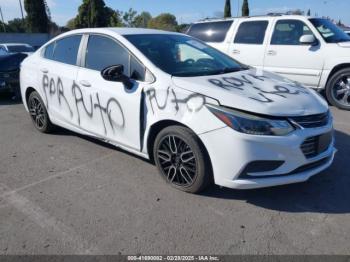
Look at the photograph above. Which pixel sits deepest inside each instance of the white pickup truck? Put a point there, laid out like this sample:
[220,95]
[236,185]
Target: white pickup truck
[312,51]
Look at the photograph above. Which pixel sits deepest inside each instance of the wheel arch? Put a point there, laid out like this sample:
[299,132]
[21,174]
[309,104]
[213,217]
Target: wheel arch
[336,69]
[27,93]
[158,127]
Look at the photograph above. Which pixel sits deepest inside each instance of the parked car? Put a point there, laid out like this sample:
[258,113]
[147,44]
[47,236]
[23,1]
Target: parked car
[312,51]
[11,48]
[9,73]
[168,97]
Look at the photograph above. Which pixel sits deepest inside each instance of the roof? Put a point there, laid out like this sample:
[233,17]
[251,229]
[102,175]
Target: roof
[122,31]
[247,17]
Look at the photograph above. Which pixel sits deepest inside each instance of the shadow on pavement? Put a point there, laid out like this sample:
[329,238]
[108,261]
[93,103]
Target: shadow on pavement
[327,192]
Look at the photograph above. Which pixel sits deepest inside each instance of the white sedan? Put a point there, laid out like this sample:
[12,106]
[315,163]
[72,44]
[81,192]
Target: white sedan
[197,113]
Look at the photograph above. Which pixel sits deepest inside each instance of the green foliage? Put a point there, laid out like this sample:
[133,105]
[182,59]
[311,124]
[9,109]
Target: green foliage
[37,18]
[129,18]
[227,11]
[3,27]
[16,25]
[245,8]
[182,28]
[91,13]
[163,21]
[114,17]
[142,20]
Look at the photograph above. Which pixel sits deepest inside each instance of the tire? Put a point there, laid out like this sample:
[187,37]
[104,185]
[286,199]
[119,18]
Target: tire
[338,89]
[38,113]
[182,159]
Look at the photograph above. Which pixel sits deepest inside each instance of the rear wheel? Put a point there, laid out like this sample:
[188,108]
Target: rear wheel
[338,89]
[38,113]
[182,159]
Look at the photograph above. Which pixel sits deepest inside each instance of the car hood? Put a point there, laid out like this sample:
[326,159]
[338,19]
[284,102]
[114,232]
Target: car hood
[256,91]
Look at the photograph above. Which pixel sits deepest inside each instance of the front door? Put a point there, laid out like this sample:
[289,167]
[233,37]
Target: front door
[109,109]
[285,54]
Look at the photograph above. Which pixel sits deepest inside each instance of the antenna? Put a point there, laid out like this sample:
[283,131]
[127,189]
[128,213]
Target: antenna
[20,5]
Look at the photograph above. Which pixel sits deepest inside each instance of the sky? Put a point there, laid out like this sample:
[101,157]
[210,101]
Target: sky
[188,11]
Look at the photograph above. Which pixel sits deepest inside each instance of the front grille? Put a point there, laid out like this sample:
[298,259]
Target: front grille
[316,145]
[311,121]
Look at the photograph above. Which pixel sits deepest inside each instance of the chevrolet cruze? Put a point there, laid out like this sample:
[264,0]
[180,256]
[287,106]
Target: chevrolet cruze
[197,113]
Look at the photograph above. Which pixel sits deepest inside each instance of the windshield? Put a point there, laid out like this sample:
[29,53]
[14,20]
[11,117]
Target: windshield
[180,55]
[20,48]
[329,31]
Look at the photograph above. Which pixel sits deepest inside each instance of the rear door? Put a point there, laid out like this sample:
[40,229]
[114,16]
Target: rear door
[58,71]
[249,42]
[285,54]
[108,109]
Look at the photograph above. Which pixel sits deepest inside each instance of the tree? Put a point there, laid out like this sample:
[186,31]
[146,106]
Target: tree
[71,24]
[37,18]
[142,20]
[295,12]
[227,10]
[163,21]
[129,18]
[91,13]
[309,12]
[245,8]
[114,17]
[182,28]
[16,25]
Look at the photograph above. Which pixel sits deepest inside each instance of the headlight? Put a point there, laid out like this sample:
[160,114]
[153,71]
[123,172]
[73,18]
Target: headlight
[251,124]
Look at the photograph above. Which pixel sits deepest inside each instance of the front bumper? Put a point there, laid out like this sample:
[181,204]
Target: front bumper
[231,152]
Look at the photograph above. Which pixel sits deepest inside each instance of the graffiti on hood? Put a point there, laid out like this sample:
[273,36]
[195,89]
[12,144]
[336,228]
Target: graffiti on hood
[264,96]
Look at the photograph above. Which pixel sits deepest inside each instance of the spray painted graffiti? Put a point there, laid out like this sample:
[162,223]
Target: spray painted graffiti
[49,85]
[172,98]
[89,105]
[264,96]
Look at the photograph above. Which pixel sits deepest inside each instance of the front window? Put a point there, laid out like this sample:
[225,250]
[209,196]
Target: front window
[329,31]
[288,32]
[103,52]
[180,55]
[20,48]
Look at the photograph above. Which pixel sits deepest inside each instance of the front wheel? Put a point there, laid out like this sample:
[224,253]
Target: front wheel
[338,89]
[38,113]
[182,159]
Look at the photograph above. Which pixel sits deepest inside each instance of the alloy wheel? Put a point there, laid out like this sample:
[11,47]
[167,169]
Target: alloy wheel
[177,161]
[341,91]
[37,112]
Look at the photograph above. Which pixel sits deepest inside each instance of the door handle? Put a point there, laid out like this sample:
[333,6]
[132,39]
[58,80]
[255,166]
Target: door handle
[271,52]
[236,51]
[44,70]
[85,83]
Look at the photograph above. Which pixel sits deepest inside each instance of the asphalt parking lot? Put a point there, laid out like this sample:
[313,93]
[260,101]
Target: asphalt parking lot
[69,194]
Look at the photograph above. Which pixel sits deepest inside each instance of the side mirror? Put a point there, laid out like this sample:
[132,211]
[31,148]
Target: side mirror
[308,40]
[115,73]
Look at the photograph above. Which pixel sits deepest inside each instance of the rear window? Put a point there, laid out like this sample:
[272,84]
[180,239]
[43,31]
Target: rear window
[251,32]
[212,32]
